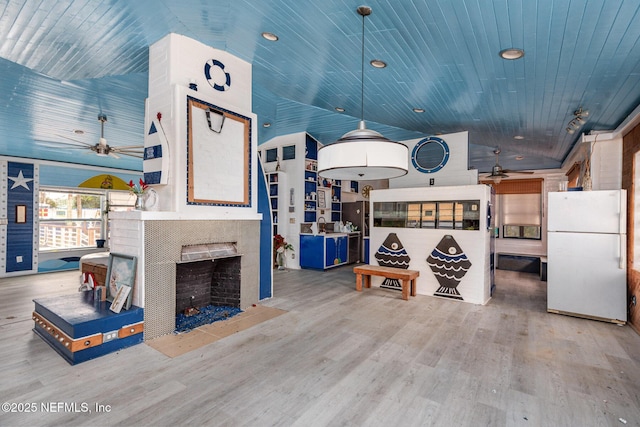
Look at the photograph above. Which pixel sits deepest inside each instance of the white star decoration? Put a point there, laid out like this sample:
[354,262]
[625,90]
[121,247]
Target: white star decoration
[20,181]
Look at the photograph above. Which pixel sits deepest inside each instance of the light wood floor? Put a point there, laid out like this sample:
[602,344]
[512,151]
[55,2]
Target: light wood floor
[340,357]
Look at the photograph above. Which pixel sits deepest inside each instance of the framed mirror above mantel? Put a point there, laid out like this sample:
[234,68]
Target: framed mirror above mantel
[218,155]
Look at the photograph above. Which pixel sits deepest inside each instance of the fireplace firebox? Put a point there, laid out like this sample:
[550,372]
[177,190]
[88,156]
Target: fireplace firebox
[209,282]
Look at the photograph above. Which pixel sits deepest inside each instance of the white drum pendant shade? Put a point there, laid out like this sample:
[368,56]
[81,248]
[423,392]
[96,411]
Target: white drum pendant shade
[363,154]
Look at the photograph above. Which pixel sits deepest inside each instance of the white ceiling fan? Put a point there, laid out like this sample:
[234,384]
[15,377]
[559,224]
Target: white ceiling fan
[102,148]
[497,173]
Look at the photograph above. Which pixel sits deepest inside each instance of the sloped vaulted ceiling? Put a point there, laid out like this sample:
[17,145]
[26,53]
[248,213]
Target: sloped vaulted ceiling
[63,62]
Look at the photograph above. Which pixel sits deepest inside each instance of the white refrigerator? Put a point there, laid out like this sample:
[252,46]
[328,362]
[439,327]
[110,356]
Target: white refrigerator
[586,254]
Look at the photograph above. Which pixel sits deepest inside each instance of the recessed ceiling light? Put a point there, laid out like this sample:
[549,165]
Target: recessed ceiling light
[519,157]
[78,131]
[518,137]
[266,124]
[339,109]
[418,110]
[270,36]
[511,53]
[378,63]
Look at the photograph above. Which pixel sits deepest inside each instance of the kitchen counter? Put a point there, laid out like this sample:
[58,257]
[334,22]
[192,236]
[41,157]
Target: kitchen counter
[332,234]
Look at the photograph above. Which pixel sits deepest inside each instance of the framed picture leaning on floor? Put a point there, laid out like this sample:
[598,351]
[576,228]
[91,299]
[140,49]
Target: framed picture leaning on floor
[121,271]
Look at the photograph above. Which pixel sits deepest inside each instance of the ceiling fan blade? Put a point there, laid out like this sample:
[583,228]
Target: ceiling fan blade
[128,152]
[512,171]
[139,156]
[62,145]
[75,140]
[501,174]
[114,155]
[127,147]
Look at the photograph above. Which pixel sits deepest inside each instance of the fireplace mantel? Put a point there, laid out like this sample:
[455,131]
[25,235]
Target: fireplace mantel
[234,214]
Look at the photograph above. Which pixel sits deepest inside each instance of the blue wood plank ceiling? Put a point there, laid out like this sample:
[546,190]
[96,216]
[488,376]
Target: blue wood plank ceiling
[64,62]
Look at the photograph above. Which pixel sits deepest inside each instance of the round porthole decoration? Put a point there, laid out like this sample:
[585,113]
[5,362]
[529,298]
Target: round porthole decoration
[217,77]
[430,155]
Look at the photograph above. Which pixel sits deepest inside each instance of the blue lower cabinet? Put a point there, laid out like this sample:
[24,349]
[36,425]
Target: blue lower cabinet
[323,251]
[335,251]
[311,252]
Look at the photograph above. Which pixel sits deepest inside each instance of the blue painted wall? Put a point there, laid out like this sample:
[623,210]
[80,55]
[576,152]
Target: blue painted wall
[264,207]
[20,187]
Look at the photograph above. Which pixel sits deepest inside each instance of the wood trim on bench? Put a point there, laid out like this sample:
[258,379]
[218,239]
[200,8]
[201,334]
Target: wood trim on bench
[408,277]
[72,344]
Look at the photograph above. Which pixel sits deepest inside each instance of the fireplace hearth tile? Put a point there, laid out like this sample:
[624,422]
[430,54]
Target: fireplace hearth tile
[174,345]
[221,329]
[178,344]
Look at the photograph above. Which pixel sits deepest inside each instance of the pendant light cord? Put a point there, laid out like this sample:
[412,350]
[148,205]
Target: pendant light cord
[362,75]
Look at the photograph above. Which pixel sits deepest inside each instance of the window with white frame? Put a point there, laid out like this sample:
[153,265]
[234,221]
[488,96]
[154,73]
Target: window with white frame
[76,218]
[70,219]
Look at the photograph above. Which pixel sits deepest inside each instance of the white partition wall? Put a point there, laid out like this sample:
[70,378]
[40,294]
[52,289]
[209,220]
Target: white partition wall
[444,232]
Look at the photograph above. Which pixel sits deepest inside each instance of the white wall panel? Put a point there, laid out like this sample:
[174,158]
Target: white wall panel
[455,171]
[475,286]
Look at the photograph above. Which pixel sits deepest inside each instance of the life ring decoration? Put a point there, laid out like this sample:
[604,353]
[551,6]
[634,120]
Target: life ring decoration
[430,155]
[210,74]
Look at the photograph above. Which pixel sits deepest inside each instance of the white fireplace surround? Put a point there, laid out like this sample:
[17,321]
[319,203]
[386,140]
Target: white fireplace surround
[158,243]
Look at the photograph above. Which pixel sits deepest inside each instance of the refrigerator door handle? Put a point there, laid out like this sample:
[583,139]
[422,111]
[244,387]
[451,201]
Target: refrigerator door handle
[623,228]
[622,215]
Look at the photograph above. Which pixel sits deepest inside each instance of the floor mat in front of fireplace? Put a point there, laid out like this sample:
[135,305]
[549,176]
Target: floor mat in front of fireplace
[175,345]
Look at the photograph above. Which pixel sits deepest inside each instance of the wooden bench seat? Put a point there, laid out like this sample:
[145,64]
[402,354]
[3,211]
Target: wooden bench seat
[408,277]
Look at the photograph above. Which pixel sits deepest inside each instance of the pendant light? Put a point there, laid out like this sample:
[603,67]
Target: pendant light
[363,154]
